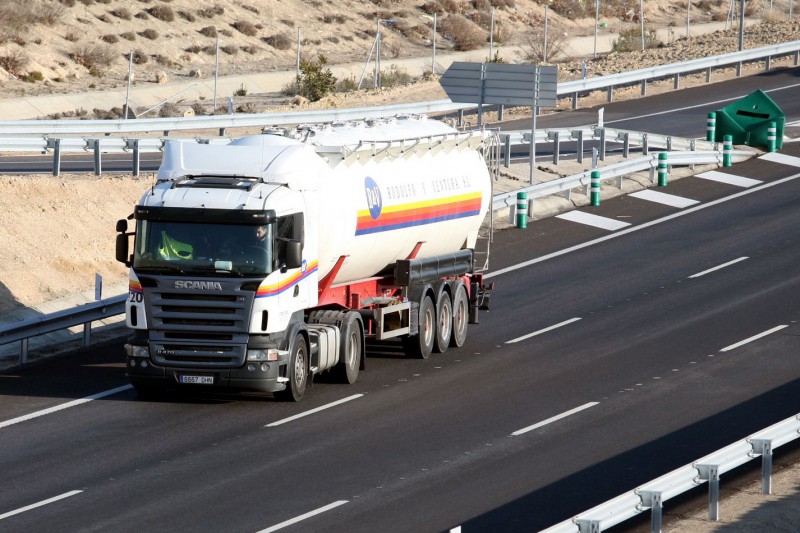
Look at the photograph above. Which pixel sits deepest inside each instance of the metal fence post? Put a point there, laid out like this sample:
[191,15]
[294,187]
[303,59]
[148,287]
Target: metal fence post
[764,447]
[654,501]
[710,473]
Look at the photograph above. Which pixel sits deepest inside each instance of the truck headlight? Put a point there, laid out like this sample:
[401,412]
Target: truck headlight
[134,350]
[270,354]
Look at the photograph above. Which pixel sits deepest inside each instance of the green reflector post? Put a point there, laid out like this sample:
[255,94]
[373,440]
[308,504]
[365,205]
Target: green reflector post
[594,197]
[522,210]
[711,126]
[662,169]
[772,136]
[727,151]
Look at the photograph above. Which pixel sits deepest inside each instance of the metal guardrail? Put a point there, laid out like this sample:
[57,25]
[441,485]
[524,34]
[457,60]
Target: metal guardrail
[652,495]
[568,88]
[82,315]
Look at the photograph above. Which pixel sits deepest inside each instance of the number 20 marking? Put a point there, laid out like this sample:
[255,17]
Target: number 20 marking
[136,297]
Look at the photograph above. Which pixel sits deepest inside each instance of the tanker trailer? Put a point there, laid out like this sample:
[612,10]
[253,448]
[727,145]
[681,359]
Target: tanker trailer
[259,263]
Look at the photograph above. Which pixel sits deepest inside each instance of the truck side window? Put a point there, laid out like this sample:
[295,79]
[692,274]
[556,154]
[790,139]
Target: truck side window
[289,227]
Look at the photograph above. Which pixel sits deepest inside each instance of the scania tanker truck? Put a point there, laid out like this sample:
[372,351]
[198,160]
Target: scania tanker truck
[259,263]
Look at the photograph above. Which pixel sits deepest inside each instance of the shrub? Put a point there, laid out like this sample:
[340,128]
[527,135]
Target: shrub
[211,12]
[631,40]
[185,15]
[71,36]
[250,49]
[142,15]
[395,77]
[230,49]
[279,41]
[93,57]
[316,81]
[121,13]
[87,2]
[250,8]
[33,76]
[346,85]
[140,57]
[241,91]
[164,13]
[287,22]
[68,3]
[169,110]
[128,36]
[14,61]
[245,27]
[110,38]
[149,33]
[464,34]
[208,31]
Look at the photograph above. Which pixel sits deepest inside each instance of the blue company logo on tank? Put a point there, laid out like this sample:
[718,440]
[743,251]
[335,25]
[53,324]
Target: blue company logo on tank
[374,199]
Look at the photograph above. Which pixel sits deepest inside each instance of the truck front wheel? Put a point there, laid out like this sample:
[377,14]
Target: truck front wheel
[297,372]
[421,344]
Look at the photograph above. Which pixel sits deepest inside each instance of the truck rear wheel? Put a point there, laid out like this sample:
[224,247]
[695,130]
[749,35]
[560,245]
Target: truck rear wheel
[421,344]
[346,370]
[444,322]
[297,372]
[460,316]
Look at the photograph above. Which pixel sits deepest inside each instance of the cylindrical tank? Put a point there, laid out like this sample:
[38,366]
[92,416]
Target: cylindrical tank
[387,197]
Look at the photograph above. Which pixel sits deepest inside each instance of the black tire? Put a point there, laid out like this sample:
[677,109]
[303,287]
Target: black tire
[444,322]
[460,316]
[352,340]
[420,345]
[297,372]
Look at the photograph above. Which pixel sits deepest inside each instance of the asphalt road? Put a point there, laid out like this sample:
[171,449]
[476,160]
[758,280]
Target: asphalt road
[513,432]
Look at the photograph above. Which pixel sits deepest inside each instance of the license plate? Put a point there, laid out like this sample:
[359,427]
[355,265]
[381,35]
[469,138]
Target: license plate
[197,380]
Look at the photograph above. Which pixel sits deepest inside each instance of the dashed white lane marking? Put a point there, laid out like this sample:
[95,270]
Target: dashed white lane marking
[663,198]
[784,159]
[555,418]
[754,337]
[730,179]
[302,517]
[64,406]
[545,330]
[315,410]
[40,504]
[593,220]
[718,267]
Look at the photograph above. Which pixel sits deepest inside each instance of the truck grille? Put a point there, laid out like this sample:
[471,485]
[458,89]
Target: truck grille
[192,328]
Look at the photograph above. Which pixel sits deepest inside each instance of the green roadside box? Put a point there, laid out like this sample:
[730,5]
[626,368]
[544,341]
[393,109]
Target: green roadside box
[747,121]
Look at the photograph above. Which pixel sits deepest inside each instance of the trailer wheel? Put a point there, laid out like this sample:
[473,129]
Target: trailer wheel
[444,322]
[297,372]
[346,370]
[421,344]
[460,317]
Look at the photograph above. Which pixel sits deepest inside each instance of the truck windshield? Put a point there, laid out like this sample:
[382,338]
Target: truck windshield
[203,249]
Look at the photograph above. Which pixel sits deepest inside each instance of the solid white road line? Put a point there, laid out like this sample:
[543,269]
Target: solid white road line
[723,265]
[639,227]
[315,410]
[303,516]
[784,159]
[545,330]
[593,220]
[40,504]
[663,198]
[754,337]
[64,406]
[554,418]
[730,179]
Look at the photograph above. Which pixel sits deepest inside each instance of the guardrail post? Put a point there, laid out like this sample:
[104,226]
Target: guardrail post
[94,145]
[610,93]
[602,144]
[772,136]
[727,149]
[23,352]
[645,146]
[460,117]
[626,144]
[662,169]
[738,69]
[522,210]
[500,110]
[579,151]
[87,334]
[708,75]
[507,151]
[677,84]
[575,98]
[56,156]
[136,160]
[556,146]
[594,197]
[644,87]
[764,447]
[768,63]
[587,526]
[710,473]
[797,57]
[654,501]
[711,126]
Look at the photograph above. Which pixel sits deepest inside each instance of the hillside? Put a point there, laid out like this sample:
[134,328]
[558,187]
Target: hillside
[68,46]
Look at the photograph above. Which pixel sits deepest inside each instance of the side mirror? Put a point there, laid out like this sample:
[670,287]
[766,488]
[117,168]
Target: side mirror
[294,254]
[122,226]
[122,249]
